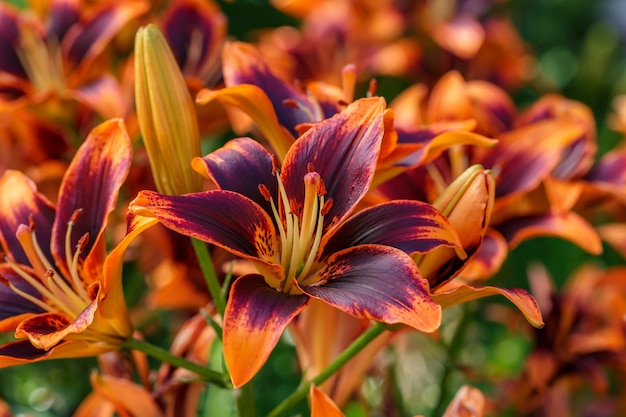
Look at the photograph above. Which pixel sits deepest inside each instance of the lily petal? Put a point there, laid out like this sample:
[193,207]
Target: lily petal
[464,293]
[63,14]
[102,162]
[240,166]
[22,351]
[490,256]
[46,330]
[195,31]
[13,307]
[254,102]
[256,316]
[322,405]
[112,309]
[84,42]
[19,202]
[379,283]
[243,64]
[126,395]
[9,37]
[569,226]
[223,218]
[411,226]
[343,150]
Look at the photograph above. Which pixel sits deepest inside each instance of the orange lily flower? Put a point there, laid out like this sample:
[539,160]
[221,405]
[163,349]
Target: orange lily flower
[60,293]
[302,240]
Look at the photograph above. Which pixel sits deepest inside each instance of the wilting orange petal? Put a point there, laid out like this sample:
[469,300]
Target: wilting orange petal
[255,318]
[255,103]
[462,293]
[322,405]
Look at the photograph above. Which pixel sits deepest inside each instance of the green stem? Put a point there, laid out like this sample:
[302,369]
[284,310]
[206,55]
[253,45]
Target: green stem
[214,377]
[206,265]
[359,344]
[454,349]
[245,401]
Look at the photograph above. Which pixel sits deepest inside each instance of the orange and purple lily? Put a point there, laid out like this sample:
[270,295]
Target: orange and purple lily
[293,223]
[60,292]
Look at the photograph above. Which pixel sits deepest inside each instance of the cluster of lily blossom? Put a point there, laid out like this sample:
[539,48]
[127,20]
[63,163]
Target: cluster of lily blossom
[343,220]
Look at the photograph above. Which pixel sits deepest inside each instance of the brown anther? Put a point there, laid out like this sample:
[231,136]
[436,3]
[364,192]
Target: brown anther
[327,206]
[82,242]
[77,213]
[31,222]
[342,103]
[294,207]
[265,192]
[371,89]
[275,164]
[49,273]
[310,167]
[321,189]
[289,102]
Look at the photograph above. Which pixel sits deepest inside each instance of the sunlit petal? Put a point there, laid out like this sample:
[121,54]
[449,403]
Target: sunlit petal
[343,150]
[255,318]
[102,162]
[255,103]
[224,218]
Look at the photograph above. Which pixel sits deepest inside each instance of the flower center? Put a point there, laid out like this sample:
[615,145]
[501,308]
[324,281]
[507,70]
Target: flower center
[42,62]
[300,228]
[60,294]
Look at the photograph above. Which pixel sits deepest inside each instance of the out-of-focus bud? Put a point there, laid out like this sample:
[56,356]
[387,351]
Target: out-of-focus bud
[167,116]
[467,203]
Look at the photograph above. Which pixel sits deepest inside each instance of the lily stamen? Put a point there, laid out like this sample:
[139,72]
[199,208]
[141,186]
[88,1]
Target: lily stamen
[300,228]
[72,261]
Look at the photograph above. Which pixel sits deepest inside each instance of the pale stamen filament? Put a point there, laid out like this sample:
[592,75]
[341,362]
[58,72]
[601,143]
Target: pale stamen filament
[42,63]
[40,255]
[314,248]
[50,271]
[25,236]
[43,290]
[32,299]
[300,227]
[281,231]
[64,294]
[72,262]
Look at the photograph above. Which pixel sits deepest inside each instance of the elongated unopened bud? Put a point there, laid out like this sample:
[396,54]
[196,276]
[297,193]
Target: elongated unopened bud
[467,203]
[166,112]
